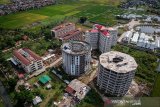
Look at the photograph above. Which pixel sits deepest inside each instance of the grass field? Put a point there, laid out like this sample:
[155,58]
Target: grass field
[28,17]
[1,102]
[20,19]
[4,1]
[95,11]
[156,91]
[102,14]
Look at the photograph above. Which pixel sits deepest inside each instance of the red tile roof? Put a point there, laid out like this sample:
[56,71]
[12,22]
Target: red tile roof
[21,57]
[34,55]
[71,34]
[26,60]
[99,27]
[70,90]
[105,32]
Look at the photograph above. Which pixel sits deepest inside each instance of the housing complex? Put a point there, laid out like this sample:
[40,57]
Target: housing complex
[115,72]
[145,37]
[101,37]
[28,60]
[92,38]
[67,32]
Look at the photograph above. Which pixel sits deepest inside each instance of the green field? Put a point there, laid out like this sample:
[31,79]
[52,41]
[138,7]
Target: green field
[101,14]
[20,19]
[92,99]
[4,1]
[146,71]
[95,11]
[37,46]
[156,91]
[1,102]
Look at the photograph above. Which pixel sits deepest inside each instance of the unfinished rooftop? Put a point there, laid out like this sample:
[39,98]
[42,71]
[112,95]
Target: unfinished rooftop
[78,89]
[118,62]
[76,47]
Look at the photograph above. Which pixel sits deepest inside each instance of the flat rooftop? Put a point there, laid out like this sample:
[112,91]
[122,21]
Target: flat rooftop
[118,62]
[76,47]
[78,88]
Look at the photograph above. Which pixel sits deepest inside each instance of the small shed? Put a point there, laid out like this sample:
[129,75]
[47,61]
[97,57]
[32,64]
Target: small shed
[49,86]
[44,79]
[37,100]
[70,90]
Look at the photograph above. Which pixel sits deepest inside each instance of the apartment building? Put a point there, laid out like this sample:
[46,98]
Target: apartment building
[67,32]
[105,41]
[76,35]
[28,60]
[115,73]
[62,29]
[114,33]
[76,57]
[101,37]
[92,38]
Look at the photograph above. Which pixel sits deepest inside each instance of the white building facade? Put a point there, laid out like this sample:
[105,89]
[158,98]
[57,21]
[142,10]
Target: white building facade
[105,42]
[115,73]
[76,57]
[28,60]
[62,29]
[114,34]
[101,37]
[92,37]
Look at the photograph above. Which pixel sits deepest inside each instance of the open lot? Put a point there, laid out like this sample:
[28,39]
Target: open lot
[54,94]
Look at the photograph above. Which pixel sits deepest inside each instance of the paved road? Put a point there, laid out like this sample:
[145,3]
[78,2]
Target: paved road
[5,96]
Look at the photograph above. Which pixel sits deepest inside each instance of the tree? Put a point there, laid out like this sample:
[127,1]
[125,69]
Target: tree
[12,83]
[21,87]
[56,43]
[24,96]
[82,20]
[37,92]
[155,20]
[2,59]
